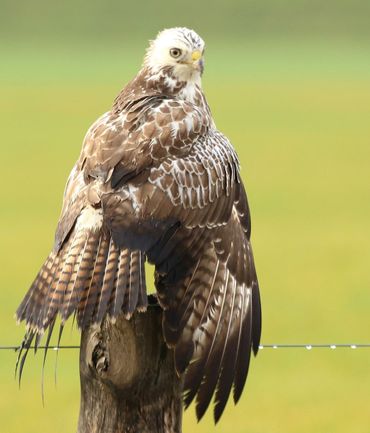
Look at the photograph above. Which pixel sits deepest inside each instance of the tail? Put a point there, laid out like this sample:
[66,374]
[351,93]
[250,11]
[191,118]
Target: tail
[89,276]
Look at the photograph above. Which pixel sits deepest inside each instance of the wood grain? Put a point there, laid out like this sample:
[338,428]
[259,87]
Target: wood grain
[128,379]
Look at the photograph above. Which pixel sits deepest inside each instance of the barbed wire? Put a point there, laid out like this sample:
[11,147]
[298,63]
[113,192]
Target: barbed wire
[261,346]
[16,348]
[316,346]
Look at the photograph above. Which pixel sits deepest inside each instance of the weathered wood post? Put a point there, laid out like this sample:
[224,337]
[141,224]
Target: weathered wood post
[128,379]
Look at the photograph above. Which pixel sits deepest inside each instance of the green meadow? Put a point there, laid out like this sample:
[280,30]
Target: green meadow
[298,113]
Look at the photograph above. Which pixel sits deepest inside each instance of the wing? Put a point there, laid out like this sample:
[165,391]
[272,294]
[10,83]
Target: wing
[206,278]
[224,321]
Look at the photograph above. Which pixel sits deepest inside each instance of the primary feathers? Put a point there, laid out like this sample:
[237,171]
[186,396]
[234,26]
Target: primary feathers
[157,181]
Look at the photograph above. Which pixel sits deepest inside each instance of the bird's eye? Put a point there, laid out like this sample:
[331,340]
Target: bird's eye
[175,53]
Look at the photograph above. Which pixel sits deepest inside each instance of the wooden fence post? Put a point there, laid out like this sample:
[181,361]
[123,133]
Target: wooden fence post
[128,380]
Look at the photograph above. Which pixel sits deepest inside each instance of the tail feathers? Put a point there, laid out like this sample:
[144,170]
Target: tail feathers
[91,290]
[129,291]
[90,276]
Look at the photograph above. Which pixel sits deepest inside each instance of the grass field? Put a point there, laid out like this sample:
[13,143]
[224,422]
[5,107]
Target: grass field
[298,115]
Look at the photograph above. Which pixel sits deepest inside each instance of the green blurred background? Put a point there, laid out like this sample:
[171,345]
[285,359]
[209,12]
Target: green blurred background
[289,83]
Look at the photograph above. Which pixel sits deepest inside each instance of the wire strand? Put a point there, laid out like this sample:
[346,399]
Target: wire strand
[315,346]
[16,348]
[261,346]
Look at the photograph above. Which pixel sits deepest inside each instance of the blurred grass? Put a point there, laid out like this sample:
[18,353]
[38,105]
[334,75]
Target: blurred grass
[111,20]
[298,115]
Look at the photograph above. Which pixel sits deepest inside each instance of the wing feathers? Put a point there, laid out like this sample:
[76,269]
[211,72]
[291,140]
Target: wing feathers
[90,275]
[142,301]
[109,282]
[257,316]
[195,371]
[118,293]
[87,273]
[71,292]
[210,321]
[244,353]
[215,354]
[87,309]
[229,356]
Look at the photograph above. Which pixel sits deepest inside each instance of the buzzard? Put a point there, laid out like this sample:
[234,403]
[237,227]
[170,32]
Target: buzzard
[156,181]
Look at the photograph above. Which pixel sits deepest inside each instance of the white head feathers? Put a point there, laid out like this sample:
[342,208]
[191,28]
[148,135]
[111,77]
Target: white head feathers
[180,49]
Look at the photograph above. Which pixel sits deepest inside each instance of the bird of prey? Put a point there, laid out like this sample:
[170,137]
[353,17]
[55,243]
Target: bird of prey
[156,181]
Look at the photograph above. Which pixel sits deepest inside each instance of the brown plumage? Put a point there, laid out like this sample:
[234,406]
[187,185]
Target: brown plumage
[156,181]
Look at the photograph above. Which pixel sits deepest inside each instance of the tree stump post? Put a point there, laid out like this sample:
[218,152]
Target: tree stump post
[128,379]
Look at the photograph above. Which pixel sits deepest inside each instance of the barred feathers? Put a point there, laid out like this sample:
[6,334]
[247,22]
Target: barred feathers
[213,322]
[91,276]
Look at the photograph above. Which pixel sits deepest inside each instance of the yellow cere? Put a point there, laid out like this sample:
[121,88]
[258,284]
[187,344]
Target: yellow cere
[196,55]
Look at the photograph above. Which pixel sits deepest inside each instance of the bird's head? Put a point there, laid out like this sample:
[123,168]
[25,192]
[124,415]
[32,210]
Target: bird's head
[179,49]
